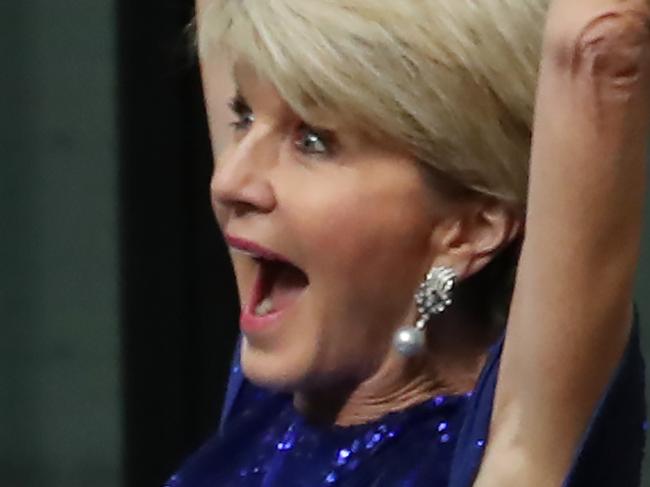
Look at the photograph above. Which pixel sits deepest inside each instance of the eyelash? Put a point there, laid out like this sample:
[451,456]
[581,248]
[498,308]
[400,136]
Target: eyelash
[245,119]
[324,137]
[241,110]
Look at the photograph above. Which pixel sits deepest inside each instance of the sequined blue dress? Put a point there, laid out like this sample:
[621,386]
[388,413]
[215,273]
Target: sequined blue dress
[265,442]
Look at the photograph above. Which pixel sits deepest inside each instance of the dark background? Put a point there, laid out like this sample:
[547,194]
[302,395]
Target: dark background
[117,302]
[179,311]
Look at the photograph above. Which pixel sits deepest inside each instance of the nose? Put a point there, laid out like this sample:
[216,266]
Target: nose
[241,180]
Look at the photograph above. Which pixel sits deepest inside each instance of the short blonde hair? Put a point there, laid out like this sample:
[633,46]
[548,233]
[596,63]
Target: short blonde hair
[451,80]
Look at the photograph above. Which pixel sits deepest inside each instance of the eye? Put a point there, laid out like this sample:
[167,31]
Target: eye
[242,111]
[312,141]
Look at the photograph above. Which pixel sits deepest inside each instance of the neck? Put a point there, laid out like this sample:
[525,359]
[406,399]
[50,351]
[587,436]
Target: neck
[451,364]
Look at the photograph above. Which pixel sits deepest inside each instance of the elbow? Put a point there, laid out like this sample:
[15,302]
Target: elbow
[611,46]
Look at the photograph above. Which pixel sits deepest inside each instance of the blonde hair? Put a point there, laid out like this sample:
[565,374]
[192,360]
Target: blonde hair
[451,80]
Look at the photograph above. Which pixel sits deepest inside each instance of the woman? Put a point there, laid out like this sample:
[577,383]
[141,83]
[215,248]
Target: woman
[374,189]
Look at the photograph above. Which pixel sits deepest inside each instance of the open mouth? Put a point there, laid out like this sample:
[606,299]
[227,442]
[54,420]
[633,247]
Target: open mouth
[277,286]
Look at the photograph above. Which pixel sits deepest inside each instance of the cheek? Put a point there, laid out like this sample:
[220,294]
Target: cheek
[368,251]
[365,268]
[364,232]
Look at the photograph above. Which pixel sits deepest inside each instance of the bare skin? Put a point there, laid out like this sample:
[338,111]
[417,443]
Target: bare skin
[334,351]
[571,310]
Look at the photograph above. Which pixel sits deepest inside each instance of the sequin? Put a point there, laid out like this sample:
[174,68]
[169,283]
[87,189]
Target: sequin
[480,443]
[374,439]
[442,426]
[445,438]
[173,481]
[288,440]
[356,446]
[343,456]
[283,446]
[331,478]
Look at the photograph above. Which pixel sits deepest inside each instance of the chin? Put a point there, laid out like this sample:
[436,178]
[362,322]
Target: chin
[272,370]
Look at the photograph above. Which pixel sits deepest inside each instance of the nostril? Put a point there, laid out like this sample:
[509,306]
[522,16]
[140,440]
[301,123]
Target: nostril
[223,204]
[242,208]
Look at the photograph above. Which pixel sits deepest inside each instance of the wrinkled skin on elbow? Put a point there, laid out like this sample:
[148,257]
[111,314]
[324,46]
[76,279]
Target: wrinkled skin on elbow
[599,50]
[611,46]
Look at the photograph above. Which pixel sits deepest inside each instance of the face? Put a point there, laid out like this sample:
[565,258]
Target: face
[330,235]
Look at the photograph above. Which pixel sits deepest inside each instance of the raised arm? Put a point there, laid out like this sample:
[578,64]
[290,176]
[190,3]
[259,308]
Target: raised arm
[571,311]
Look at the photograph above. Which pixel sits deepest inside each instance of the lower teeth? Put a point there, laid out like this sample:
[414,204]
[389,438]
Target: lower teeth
[264,308]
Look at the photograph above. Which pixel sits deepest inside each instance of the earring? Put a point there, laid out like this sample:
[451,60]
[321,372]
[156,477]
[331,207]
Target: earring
[432,297]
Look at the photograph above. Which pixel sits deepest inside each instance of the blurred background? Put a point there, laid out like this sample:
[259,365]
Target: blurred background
[117,304]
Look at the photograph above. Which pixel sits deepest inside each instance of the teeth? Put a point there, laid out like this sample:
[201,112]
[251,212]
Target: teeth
[264,308]
[245,252]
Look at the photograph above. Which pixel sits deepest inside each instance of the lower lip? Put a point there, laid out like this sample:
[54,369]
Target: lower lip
[251,323]
[254,324]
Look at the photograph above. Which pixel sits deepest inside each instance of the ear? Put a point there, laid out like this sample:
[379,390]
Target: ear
[473,236]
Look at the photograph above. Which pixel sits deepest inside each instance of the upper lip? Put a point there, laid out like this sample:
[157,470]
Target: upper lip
[254,249]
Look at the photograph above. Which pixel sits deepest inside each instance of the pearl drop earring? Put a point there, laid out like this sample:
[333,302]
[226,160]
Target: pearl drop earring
[432,297]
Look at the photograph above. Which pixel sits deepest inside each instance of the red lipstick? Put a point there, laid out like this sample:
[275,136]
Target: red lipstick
[254,249]
[277,279]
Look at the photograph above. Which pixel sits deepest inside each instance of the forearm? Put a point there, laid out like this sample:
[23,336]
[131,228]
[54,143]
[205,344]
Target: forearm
[571,307]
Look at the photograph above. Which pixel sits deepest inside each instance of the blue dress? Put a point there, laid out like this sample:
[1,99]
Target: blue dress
[265,442]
